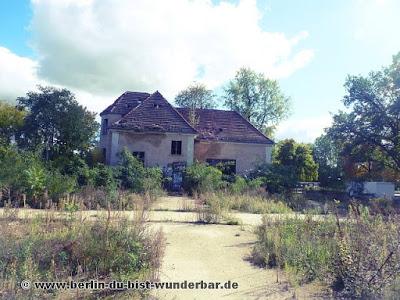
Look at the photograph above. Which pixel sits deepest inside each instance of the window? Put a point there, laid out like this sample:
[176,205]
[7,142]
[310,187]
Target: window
[176,147]
[139,155]
[104,125]
[227,166]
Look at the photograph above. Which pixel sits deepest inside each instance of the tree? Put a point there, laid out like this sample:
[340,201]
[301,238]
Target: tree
[258,99]
[57,121]
[195,96]
[373,116]
[11,120]
[297,156]
[326,154]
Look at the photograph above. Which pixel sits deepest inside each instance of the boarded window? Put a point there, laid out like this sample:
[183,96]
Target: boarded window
[227,166]
[104,126]
[176,147]
[139,155]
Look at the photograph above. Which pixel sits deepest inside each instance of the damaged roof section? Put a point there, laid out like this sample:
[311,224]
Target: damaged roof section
[125,103]
[144,112]
[224,126]
[154,114]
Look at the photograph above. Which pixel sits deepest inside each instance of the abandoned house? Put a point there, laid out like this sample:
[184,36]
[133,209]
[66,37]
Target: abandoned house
[161,135]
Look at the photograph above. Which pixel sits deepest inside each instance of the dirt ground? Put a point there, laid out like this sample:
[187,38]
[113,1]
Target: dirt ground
[212,253]
[197,252]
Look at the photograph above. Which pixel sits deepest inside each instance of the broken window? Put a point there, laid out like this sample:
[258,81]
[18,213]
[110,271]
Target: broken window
[139,155]
[176,147]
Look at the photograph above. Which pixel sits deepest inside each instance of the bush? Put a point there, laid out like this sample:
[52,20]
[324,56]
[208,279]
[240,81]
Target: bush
[240,185]
[59,185]
[276,178]
[130,172]
[133,176]
[40,251]
[102,176]
[201,178]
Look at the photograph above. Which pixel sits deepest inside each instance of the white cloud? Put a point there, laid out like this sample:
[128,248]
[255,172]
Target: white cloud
[303,130]
[106,46]
[17,75]
[100,48]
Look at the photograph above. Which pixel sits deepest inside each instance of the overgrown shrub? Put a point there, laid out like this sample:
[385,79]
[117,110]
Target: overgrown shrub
[59,185]
[201,178]
[276,178]
[102,176]
[359,256]
[306,247]
[368,258]
[241,185]
[133,176]
[40,251]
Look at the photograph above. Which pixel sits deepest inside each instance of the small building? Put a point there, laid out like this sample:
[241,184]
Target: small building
[161,135]
[375,188]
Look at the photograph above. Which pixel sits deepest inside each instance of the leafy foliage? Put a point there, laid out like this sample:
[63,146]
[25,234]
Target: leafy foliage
[372,119]
[133,176]
[298,157]
[326,154]
[196,96]
[258,99]
[57,121]
[11,120]
[276,178]
[201,178]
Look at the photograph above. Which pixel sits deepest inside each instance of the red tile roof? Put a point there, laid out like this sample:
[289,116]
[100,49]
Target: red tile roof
[153,113]
[226,126]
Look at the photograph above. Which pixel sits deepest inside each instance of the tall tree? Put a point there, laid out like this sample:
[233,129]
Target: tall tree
[327,154]
[372,118]
[11,120]
[298,157]
[258,99]
[195,96]
[56,121]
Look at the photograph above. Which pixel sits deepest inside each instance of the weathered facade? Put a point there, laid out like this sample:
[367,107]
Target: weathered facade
[161,135]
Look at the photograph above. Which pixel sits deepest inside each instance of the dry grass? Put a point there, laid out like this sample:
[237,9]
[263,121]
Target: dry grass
[47,248]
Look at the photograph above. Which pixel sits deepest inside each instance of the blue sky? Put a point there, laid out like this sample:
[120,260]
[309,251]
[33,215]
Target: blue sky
[99,48]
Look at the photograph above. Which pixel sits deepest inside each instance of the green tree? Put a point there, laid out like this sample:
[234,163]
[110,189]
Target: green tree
[258,99]
[57,121]
[11,120]
[327,154]
[195,96]
[297,156]
[372,118]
